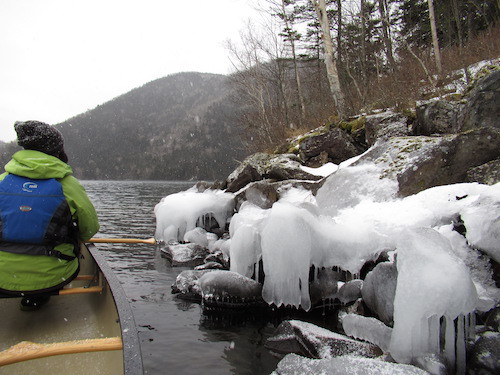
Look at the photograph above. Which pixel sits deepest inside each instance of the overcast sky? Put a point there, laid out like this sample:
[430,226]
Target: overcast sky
[59,58]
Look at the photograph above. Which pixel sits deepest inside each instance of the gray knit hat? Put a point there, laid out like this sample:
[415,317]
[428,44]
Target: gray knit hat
[39,136]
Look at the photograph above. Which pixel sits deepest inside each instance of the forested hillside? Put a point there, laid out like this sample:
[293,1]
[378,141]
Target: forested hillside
[179,127]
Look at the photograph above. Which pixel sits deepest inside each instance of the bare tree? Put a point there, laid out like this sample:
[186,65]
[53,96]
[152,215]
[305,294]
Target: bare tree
[291,37]
[330,62]
[435,42]
[386,33]
[260,79]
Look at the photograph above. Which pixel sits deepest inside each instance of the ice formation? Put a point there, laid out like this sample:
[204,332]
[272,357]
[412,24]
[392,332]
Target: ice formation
[355,216]
[368,329]
[433,283]
[179,213]
[294,364]
[441,277]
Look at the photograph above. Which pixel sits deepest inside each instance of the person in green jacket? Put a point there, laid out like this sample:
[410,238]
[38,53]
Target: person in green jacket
[34,262]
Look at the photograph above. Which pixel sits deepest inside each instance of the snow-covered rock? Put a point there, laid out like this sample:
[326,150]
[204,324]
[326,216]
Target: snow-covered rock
[294,364]
[295,336]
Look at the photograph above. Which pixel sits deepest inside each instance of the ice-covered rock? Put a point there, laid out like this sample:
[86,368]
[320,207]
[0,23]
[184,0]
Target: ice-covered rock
[350,291]
[210,266]
[433,283]
[187,255]
[379,289]
[367,329]
[350,186]
[187,283]
[179,213]
[226,288]
[421,162]
[294,364]
[198,236]
[295,336]
[482,221]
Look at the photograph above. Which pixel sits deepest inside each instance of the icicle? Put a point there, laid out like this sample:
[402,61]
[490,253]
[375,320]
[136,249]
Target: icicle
[460,345]
[449,343]
[433,344]
[470,326]
[419,337]
[472,329]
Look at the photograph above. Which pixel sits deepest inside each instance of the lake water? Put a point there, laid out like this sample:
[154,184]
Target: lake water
[176,337]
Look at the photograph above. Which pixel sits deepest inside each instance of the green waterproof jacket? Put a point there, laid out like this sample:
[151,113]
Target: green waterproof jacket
[30,273]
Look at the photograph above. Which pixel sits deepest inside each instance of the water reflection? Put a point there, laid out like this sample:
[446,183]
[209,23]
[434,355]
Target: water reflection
[174,334]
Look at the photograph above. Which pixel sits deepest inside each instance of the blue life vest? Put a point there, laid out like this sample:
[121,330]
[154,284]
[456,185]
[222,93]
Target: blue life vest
[34,216]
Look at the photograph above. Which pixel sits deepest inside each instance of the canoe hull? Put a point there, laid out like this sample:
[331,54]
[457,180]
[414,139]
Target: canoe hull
[77,316]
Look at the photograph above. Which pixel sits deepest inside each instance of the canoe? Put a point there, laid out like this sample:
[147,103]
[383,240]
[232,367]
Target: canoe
[88,328]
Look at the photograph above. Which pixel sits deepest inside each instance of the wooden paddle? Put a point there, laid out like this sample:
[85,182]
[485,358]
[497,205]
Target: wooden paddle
[150,241]
[26,350]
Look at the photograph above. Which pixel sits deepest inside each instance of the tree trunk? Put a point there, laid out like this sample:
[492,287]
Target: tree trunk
[291,37]
[331,68]
[456,15]
[386,33]
[435,42]
[364,74]
[339,33]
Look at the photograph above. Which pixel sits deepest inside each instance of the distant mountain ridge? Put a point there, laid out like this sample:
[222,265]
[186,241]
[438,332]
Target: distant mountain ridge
[180,127]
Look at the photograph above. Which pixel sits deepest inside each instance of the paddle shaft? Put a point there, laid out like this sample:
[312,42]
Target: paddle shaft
[150,241]
[28,350]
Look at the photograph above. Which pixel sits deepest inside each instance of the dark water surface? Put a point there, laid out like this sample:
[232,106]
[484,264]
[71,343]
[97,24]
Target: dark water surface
[176,337]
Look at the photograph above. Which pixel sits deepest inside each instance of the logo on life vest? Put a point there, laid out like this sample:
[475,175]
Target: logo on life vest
[25,208]
[29,186]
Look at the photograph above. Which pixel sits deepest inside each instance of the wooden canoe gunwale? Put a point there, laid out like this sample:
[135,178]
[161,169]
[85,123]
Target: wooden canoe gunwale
[132,358]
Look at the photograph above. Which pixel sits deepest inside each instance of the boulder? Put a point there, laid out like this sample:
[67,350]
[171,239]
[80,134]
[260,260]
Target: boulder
[484,358]
[385,125]
[294,364]
[184,255]
[336,143]
[295,336]
[487,173]
[379,290]
[493,318]
[262,194]
[324,287]
[242,177]
[186,283]
[350,291]
[261,166]
[483,104]
[210,266]
[287,167]
[437,117]
[226,289]
[418,163]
